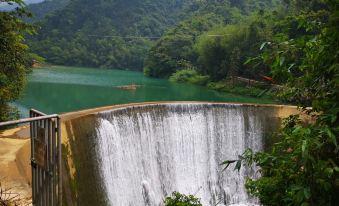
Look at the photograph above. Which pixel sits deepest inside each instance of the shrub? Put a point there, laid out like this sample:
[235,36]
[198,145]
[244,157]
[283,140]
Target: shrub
[177,199]
[189,76]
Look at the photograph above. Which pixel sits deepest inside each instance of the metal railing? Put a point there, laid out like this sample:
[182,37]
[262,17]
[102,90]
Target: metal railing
[46,157]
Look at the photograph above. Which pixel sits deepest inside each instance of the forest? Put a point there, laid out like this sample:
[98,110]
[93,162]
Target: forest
[122,35]
[166,39]
[108,34]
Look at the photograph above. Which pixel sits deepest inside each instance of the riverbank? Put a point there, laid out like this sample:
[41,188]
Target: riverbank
[234,85]
[264,91]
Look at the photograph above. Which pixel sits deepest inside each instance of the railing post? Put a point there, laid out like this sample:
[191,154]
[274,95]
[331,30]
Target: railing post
[60,161]
[32,159]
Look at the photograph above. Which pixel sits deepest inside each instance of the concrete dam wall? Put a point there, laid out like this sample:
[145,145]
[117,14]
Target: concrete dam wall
[138,154]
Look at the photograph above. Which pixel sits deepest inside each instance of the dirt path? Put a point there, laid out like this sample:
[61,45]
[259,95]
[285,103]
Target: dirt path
[15,171]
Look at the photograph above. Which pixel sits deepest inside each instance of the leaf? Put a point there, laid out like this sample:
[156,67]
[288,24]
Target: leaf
[303,147]
[299,195]
[290,67]
[238,165]
[249,60]
[282,60]
[333,118]
[263,45]
[227,163]
[329,171]
[331,136]
[314,39]
[307,193]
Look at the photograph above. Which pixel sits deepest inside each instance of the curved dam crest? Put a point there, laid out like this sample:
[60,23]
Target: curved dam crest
[138,155]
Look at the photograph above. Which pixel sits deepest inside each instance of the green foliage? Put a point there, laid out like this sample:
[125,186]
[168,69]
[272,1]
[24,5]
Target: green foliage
[122,34]
[215,47]
[174,51]
[229,87]
[189,76]
[105,33]
[14,57]
[302,167]
[177,199]
[216,40]
[8,112]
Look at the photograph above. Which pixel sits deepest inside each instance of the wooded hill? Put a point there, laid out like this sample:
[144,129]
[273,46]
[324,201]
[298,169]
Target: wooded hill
[39,11]
[105,33]
[119,34]
[208,40]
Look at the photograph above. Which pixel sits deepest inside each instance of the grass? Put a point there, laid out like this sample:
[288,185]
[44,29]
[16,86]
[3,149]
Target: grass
[8,198]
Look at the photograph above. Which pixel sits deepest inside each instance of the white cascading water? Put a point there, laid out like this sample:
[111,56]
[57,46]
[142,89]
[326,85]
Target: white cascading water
[148,152]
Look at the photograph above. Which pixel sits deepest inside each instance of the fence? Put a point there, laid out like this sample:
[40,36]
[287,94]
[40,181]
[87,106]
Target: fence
[45,157]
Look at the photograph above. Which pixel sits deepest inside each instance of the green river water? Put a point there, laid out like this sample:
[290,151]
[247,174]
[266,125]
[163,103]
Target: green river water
[58,89]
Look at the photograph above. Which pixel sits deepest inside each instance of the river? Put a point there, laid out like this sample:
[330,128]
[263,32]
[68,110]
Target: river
[59,89]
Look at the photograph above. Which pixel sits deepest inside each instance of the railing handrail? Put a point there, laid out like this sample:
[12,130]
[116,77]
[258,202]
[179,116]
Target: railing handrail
[37,112]
[26,120]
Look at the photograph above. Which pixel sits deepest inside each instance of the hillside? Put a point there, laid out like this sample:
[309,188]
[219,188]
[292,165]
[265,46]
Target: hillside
[107,33]
[40,10]
[119,34]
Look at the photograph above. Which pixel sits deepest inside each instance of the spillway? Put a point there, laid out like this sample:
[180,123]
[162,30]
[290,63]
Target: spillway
[138,155]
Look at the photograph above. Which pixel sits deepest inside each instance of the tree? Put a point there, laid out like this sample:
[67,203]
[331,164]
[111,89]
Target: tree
[176,46]
[234,64]
[227,47]
[303,167]
[13,57]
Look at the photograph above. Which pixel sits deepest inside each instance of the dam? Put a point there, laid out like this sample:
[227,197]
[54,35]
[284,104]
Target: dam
[138,154]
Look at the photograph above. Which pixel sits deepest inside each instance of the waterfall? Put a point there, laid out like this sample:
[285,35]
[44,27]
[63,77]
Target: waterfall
[147,152]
